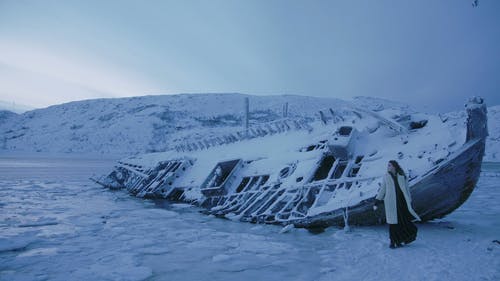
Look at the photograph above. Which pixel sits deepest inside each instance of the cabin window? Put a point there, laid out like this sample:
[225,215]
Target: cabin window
[288,170]
[242,184]
[221,172]
[355,167]
[249,183]
[354,171]
[284,172]
[345,131]
[264,179]
[339,170]
[253,181]
[324,168]
[358,159]
[348,185]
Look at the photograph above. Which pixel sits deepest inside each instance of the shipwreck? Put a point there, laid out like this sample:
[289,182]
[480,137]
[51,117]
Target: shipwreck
[312,173]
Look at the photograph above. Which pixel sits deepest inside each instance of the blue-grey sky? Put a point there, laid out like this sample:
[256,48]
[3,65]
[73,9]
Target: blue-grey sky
[429,53]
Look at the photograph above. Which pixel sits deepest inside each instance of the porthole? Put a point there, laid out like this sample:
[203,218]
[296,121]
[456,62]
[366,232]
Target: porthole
[287,171]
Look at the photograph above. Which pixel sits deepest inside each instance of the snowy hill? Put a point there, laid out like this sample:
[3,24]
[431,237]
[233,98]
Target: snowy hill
[157,123]
[142,124]
[6,116]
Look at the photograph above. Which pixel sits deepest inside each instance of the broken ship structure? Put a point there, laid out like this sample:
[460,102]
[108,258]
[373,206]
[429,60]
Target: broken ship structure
[315,174]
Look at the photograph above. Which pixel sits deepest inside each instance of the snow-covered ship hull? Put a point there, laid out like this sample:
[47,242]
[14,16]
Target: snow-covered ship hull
[266,177]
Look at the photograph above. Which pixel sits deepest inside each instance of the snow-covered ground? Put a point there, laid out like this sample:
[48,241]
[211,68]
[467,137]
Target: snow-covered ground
[57,225]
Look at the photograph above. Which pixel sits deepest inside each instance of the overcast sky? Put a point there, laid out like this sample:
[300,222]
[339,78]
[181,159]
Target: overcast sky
[427,53]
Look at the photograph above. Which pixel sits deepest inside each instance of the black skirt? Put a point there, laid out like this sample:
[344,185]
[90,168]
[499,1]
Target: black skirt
[405,231]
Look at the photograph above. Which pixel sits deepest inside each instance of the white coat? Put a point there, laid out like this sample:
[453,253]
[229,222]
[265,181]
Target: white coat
[387,193]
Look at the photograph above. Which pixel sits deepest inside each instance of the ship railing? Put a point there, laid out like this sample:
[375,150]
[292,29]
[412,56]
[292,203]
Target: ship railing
[132,169]
[289,212]
[259,130]
[338,115]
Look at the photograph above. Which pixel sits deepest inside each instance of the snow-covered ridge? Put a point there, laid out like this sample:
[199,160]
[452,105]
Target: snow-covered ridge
[143,124]
[156,123]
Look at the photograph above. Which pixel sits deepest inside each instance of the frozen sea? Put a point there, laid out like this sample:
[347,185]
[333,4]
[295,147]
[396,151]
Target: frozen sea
[55,224]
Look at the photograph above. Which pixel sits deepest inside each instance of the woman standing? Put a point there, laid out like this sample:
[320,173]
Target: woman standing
[398,211]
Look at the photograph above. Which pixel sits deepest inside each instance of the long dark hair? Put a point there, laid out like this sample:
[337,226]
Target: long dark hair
[398,168]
